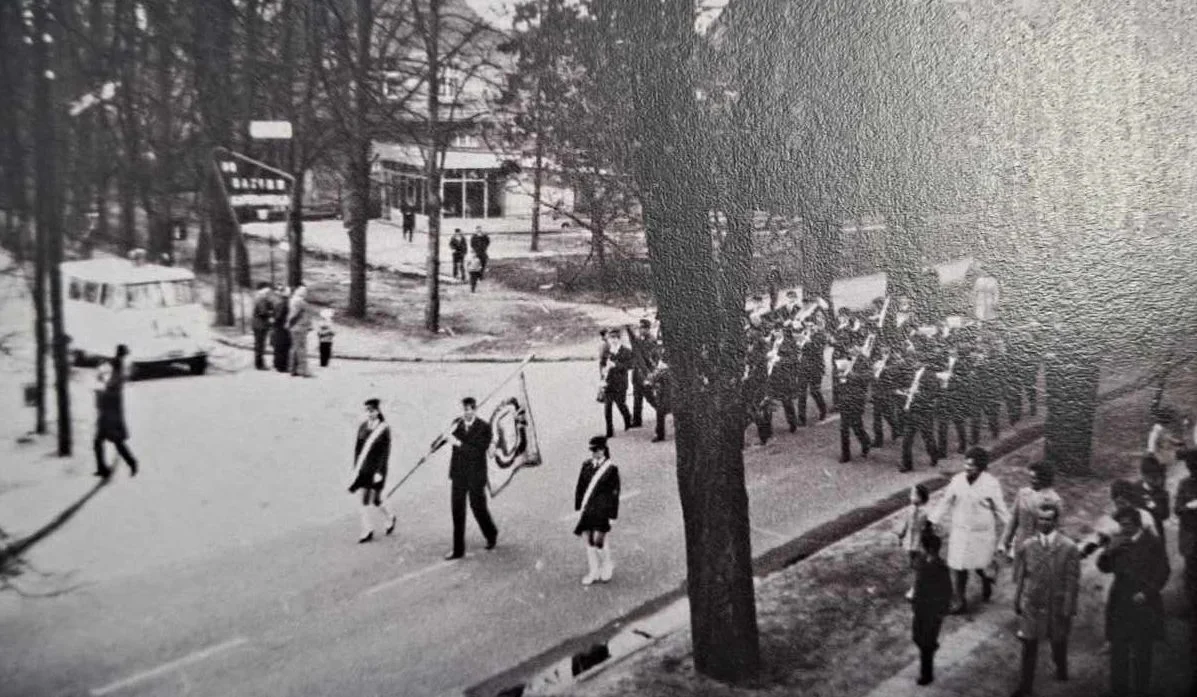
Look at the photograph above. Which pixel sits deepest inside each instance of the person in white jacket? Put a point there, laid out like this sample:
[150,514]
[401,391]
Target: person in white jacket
[975,504]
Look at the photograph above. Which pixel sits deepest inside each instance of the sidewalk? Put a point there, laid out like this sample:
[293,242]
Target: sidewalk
[836,623]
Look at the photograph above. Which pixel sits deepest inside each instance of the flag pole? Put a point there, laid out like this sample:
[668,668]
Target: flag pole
[438,441]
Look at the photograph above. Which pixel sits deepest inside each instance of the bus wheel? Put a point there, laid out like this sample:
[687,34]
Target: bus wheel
[199,365]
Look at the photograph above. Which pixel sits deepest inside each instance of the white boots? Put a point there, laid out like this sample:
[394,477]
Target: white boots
[367,513]
[606,566]
[600,565]
[592,562]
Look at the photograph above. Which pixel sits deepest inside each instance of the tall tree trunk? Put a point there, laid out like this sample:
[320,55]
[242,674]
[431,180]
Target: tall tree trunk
[359,159]
[49,216]
[12,72]
[537,172]
[213,25]
[1071,379]
[701,301]
[432,152]
[295,233]
[159,189]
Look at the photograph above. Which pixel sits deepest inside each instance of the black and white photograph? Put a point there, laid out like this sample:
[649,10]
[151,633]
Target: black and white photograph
[603,348]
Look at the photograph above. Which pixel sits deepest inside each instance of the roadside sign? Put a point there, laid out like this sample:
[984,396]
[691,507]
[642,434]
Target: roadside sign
[270,130]
[252,186]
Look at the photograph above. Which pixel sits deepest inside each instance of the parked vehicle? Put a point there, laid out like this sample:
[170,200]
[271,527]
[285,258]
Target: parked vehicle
[154,310]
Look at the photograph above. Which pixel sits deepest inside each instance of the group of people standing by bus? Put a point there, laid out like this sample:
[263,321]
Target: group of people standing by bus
[286,318]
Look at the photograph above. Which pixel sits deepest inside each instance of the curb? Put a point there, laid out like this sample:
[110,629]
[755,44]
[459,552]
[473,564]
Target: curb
[447,358]
[583,657]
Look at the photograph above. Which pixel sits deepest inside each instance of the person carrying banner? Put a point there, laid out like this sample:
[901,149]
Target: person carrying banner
[471,439]
[371,452]
[596,498]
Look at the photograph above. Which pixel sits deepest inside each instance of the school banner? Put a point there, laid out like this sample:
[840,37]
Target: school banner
[514,445]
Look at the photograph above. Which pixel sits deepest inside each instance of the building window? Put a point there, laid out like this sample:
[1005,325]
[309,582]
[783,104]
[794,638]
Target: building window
[466,140]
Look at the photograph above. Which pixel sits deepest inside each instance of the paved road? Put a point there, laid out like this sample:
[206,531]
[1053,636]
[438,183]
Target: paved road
[230,565]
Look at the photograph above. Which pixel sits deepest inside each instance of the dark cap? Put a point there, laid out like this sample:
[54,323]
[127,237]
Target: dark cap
[598,442]
[372,403]
[646,323]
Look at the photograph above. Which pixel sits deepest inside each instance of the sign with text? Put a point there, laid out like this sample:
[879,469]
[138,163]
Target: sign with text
[249,185]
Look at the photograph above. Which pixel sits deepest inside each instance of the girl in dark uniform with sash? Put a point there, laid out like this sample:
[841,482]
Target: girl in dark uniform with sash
[371,452]
[597,499]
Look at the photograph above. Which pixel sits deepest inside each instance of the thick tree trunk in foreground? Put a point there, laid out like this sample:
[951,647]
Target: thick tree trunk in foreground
[700,286]
[1071,378]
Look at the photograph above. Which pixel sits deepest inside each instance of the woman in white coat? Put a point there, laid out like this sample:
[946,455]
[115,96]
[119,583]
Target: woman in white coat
[976,506]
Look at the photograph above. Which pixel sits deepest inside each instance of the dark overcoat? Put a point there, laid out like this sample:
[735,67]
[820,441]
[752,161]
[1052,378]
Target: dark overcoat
[603,506]
[618,365]
[110,407]
[1139,566]
[932,599]
[468,461]
[375,461]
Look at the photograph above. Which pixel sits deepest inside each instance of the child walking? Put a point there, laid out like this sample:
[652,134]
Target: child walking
[325,333]
[474,268]
[596,497]
[932,600]
[911,535]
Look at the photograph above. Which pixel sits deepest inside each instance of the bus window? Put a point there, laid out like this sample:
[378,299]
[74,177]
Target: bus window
[75,289]
[114,296]
[178,293]
[91,292]
[145,296]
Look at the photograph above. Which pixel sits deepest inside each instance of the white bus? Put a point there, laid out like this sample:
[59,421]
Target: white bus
[154,310]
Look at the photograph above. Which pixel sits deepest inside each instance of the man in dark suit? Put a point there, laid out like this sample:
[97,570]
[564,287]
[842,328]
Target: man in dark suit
[263,318]
[409,221]
[853,388]
[1135,609]
[810,376]
[467,471]
[918,417]
[644,358]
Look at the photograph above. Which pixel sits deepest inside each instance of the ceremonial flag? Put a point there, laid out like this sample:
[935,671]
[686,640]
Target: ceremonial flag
[513,444]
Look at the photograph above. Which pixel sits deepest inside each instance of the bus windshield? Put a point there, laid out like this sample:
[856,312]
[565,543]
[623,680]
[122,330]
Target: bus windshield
[147,296]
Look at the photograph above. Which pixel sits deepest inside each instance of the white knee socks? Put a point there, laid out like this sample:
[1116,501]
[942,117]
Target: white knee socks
[592,561]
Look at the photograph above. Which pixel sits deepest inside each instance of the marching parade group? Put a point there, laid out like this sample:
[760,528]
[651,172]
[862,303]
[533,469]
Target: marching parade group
[922,379]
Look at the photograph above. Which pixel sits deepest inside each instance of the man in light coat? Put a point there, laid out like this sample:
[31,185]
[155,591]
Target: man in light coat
[1047,571]
[975,504]
[299,323]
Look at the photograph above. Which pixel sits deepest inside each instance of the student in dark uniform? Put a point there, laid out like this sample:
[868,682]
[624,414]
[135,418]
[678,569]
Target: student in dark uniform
[954,401]
[888,372]
[854,388]
[784,380]
[757,402]
[467,471]
[986,390]
[932,598]
[644,348]
[810,376]
[615,394]
[919,413]
[596,498]
[371,451]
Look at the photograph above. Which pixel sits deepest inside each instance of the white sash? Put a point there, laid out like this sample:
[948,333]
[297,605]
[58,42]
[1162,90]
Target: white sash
[361,456]
[590,487]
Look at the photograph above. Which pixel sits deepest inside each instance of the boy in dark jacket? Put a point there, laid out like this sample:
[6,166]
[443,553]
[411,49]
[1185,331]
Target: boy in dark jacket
[932,599]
